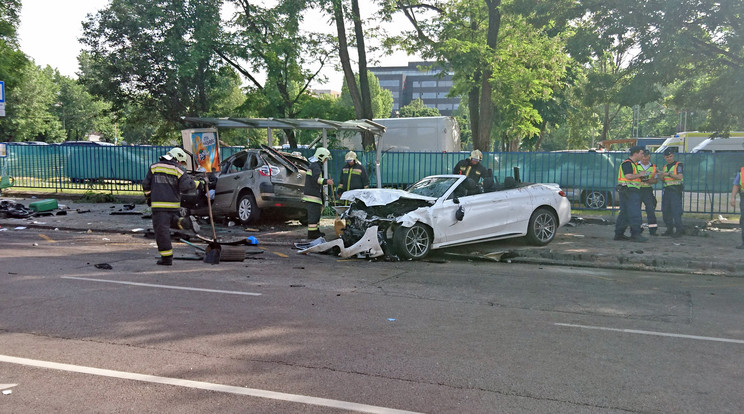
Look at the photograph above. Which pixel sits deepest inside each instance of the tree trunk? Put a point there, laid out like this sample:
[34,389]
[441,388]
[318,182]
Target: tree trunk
[343,52]
[473,99]
[368,139]
[482,140]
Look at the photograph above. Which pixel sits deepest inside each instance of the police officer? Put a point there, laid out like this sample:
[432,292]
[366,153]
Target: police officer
[671,198]
[629,187]
[313,192]
[163,184]
[353,174]
[471,167]
[648,199]
[736,190]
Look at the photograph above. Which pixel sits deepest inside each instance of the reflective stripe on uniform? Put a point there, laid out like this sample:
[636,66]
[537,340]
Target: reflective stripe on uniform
[166,204]
[312,199]
[167,169]
[668,181]
[165,253]
[635,182]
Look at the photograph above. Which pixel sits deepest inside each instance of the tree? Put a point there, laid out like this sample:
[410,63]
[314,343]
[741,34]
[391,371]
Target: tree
[417,109]
[381,99]
[270,39]
[13,64]
[80,112]
[31,116]
[361,95]
[159,55]
[491,62]
[700,44]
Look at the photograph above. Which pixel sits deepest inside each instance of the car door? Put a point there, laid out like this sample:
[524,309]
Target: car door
[235,172]
[486,215]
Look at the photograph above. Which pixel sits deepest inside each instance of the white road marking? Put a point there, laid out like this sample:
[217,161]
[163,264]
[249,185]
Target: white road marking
[229,292]
[672,335]
[252,392]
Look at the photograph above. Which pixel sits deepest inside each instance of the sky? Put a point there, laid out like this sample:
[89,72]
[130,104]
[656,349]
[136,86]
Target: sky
[50,29]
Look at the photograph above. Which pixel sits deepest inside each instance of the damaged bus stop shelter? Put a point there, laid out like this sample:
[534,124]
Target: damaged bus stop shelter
[356,126]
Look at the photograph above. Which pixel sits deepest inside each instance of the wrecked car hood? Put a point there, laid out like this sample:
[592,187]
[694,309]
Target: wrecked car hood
[382,196]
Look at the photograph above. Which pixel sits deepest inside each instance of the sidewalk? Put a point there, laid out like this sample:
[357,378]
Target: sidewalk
[585,242]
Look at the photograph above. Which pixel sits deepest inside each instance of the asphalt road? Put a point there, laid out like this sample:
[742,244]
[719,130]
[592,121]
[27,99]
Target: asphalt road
[287,333]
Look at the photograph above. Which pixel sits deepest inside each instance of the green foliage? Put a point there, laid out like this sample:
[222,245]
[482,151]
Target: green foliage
[158,56]
[29,108]
[417,109]
[382,99]
[94,197]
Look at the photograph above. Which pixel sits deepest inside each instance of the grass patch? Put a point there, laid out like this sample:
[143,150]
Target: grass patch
[93,197]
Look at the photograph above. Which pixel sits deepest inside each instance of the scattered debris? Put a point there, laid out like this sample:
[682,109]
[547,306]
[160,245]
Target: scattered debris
[104,266]
[20,228]
[252,230]
[12,209]
[80,211]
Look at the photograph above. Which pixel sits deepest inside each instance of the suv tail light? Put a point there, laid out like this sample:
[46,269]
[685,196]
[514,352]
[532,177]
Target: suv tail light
[268,170]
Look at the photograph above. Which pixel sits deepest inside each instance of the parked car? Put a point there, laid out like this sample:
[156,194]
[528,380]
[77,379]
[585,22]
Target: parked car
[253,181]
[588,178]
[445,210]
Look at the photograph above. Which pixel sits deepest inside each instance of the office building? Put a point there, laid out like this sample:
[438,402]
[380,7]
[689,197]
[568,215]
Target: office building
[408,83]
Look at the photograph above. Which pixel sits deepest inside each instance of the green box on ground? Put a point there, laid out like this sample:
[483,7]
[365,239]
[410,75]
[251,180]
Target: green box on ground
[44,205]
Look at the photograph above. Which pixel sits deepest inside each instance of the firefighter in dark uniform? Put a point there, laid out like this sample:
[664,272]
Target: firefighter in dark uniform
[671,198]
[471,167]
[163,184]
[648,199]
[629,187]
[353,175]
[313,193]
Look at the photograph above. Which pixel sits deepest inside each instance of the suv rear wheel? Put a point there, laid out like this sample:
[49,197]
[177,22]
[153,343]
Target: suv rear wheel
[247,210]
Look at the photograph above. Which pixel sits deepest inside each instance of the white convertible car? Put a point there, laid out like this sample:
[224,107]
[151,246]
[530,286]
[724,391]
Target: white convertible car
[447,210]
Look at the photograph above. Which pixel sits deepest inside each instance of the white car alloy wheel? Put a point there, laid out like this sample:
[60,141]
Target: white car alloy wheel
[542,227]
[412,242]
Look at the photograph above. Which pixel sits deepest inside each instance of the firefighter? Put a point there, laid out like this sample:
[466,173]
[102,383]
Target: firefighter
[313,192]
[353,174]
[163,184]
[471,167]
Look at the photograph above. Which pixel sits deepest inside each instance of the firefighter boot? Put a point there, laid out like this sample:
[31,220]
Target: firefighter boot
[165,261]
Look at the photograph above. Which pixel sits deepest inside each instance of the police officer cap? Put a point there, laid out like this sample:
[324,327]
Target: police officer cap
[668,151]
[636,148]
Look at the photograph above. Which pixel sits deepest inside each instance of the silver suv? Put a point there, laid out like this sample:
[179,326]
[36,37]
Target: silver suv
[253,182]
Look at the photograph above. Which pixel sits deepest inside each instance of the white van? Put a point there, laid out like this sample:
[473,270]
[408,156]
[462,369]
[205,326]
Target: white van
[687,141]
[732,144]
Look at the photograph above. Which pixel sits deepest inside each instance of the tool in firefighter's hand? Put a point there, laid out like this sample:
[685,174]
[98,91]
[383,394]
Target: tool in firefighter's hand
[212,254]
[338,224]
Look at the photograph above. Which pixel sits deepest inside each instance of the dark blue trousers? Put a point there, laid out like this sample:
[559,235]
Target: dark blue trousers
[671,208]
[649,203]
[630,213]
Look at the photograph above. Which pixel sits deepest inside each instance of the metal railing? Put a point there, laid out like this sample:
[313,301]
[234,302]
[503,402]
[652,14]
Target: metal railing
[589,178]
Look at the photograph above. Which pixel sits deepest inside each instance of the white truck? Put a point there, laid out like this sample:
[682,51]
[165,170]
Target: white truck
[687,141]
[424,134]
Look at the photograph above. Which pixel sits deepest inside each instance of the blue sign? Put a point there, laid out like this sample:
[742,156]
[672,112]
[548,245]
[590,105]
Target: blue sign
[2,91]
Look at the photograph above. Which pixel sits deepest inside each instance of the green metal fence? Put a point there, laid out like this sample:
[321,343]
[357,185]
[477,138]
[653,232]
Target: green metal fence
[585,176]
